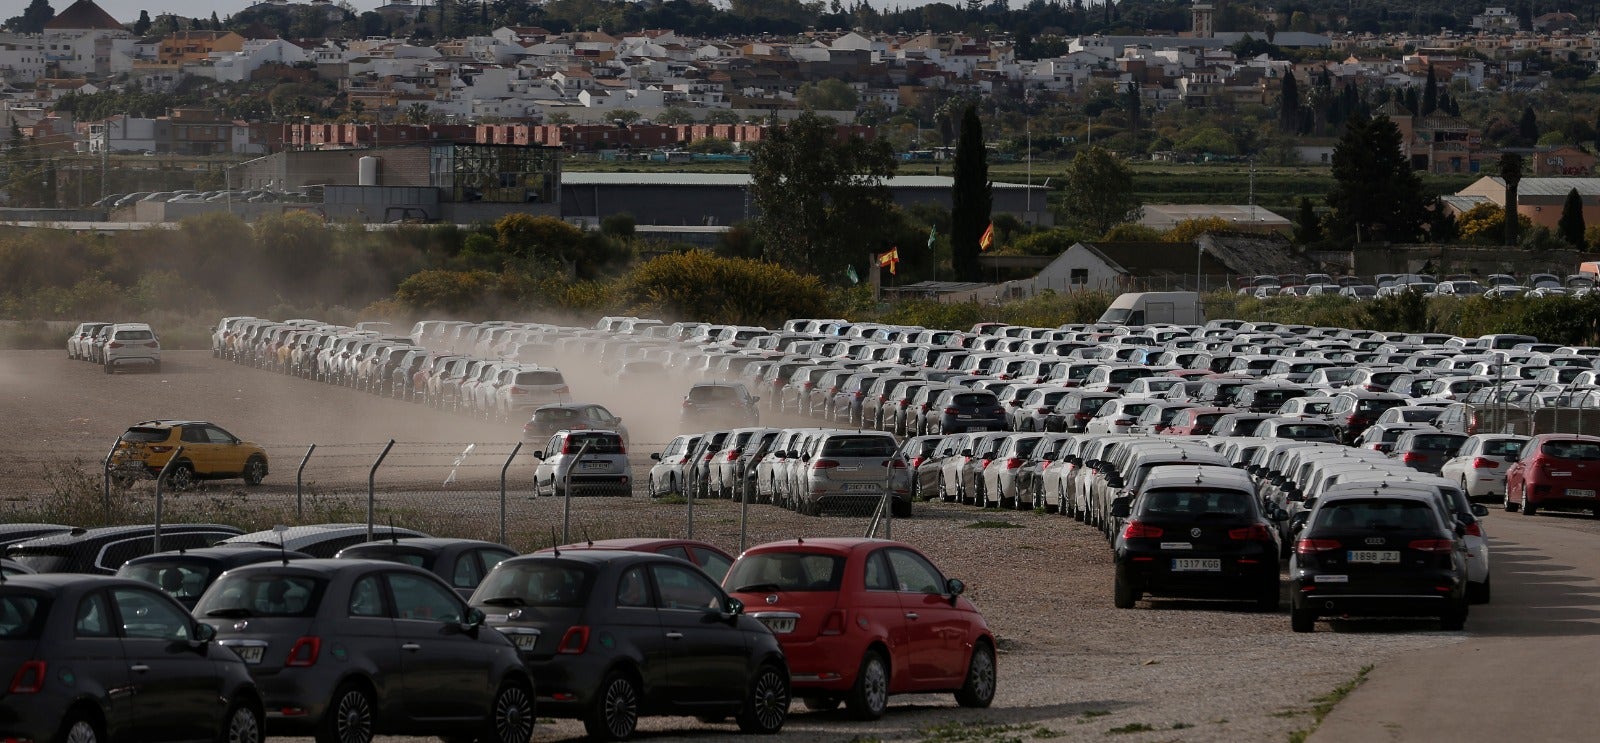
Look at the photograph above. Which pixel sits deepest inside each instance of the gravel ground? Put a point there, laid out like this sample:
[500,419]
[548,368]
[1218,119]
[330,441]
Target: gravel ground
[1072,667]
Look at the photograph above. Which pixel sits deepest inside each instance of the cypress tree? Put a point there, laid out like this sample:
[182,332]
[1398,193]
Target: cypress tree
[1571,226]
[1307,228]
[1511,173]
[1289,104]
[971,198]
[1528,127]
[1430,93]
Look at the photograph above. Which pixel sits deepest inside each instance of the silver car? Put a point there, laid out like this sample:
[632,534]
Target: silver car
[850,468]
[601,470]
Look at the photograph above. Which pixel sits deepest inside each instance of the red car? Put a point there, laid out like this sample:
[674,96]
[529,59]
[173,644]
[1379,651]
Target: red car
[861,619]
[1555,470]
[1196,421]
[708,557]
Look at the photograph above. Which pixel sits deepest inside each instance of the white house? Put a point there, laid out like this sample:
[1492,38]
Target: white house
[79,39]
[21,58]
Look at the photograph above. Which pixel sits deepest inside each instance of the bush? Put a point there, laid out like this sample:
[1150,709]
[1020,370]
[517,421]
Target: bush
[701,286]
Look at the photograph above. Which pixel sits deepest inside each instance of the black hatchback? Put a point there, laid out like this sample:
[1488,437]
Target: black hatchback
[613,635]
[346,649]
[1370,555]
[96,658]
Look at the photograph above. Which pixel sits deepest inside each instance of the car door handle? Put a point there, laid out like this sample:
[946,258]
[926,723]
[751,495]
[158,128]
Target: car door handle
[411,646]
[674,635]
[139,668]
[911,615]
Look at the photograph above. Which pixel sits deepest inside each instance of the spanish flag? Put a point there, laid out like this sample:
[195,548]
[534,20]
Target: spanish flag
[987,239]
[890,259]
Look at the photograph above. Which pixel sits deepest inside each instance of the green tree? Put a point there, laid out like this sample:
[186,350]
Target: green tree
[626,116]
[1289,104]
[1511,174]
[675,115]
[831,94]
[33,18]
[1308,226]
[1097,192]
[722,116]
[971,198]
[1430,93]
[722,290]
[1376,196]
[142,26]
[1528,127]
[822,201]
[1571,226]
[543,239]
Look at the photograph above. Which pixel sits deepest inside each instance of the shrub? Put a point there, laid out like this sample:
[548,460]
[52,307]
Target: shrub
[709,288]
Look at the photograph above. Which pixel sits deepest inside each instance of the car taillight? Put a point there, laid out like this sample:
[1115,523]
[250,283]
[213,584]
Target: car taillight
[917,462]
[29,678]
[1480,463]
[1432,545]
[1473,530]
[898,464]
[951,411]
[575,641]
[1013,463]
[516,391]
[1410,457]
[527,427]
[1082,416]
[834,623]
[733,455]
[824,464]
[1252,533]
[303,654]
[1139,530]
[114,344]
[1313,546]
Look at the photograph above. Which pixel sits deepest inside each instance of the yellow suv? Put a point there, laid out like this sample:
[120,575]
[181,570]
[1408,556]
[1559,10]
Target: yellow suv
[209,453]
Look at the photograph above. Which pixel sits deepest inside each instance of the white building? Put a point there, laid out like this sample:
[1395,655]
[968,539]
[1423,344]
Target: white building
[80,39]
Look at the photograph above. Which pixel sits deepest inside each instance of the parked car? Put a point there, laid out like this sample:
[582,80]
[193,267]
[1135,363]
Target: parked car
[667,476]
[185,574]
[105,549]
[809,590]
[603,469]
[1481,464]
[131,344]
[852,469]
[68,642]
[77,342]
[570,416]
[1555,470]
[1426,450]
[704,555]
[317,540]
[611,636]
[450,678]
[209,453]
[1367,555]
[460,562]
[958,410]
[719,404]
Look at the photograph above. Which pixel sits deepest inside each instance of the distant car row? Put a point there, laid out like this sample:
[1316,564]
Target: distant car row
[244,196]
[115,345]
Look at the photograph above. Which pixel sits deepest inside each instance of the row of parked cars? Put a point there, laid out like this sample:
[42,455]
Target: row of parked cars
[115,345]
[189,196]
[324,631]
[1384,285]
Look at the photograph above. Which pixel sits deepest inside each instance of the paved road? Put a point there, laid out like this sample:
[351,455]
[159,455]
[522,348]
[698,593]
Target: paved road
[1528,670]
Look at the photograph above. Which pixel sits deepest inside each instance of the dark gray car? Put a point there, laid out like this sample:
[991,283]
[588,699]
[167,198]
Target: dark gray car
[1426,450]
[958,410]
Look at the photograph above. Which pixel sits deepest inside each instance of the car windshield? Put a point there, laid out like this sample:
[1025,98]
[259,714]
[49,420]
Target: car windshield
[1366,515]
[1571,449]
[262,595]
[536,583]
[145,435]
[1304,430]
[538,378]
[1195,502]
[1436,443]
[1375,407]
[786,571]
[713,394]
[21,616]
[858,446]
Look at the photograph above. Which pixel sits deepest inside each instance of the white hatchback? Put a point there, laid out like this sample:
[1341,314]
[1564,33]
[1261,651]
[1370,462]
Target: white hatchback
[131,343]
[1480,466]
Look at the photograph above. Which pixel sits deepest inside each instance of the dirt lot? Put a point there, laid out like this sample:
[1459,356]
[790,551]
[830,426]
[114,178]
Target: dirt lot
[1072,667]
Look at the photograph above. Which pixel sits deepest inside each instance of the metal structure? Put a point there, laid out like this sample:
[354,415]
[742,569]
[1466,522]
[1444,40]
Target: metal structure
[496,173]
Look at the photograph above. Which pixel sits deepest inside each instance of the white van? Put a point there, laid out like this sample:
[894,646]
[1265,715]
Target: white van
[132,343]
[1155,308]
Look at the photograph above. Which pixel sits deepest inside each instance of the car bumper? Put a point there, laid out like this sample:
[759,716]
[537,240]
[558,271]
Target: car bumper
[822,664]
[295,702]
[961,425]
[564,686]
[1234,578]
[39,719]
[1429,593]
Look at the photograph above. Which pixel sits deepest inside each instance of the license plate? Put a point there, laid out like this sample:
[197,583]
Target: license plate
[964,417]
[1188,564]
[1176,546]
[779,625]
[860,487]
[250,653]
[596,465]
[1561,474]
[525,641]
[1375,556]
[1580,493]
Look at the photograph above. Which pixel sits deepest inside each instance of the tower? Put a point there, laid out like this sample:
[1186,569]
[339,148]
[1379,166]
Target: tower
[1202,14]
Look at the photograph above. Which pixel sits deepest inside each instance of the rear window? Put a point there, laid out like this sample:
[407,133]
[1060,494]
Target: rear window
[1502,448]
[599,443]
[48,560]
[539,378]
[135,335]
[1304,430]
[180,579]
[145,435]
[713,394]
[973,400]
[1420,416]
[1436,443]
[555,414]
[1369,515]
[1123,376]
[262,595]
[1277,397]
[1571,449]
[858,446]
[1375,407]
[387,554]
[536,583]
[786,571]
[21,617]
[1196,502]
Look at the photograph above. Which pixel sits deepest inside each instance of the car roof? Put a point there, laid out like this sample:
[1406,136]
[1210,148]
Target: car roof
[835,545]
[113,532]
[233,555]
[635,544]
[323,566]
[428,543]
[57,581]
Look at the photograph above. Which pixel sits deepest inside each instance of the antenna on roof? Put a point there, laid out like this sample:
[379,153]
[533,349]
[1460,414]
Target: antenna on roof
[283,551]
[394,537]
[587,538]
[555,545]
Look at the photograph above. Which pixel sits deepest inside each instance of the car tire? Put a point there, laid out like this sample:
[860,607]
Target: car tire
[869,696]
[1123,593]
[180,477]
[1302,620]
[977,691]
[944,490]
[351,716]
[767,705]
[81,728]
[108,367]
[255,470]
[1528,507]
[1478,593]
[511,716]
[244,723]
[615,714]
[1454,619]
[821,704]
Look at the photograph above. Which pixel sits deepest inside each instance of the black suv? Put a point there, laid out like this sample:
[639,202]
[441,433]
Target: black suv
[960,410]
[727,404]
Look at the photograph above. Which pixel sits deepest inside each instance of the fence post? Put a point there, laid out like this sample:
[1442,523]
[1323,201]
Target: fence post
[372,486]
[693,486]
[507,466]
[888,506]
[105,482]
[744,503]
[566,492]
[299,478]
[161,480]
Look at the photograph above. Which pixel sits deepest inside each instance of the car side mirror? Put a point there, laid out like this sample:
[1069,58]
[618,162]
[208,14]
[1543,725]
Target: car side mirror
[204,633]
[655,456]
[755,399]
[1480,510]
[1298,521]
[1122,507]
[1461,529]
[966,452]
[470,623]
[953,587]
[988,456]
[732,609]
[1279,515]
[538,455]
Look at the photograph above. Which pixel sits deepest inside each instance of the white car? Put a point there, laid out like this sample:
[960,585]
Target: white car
[1117,416]
[78,343]
[1481,464]
[602,470]
[131,343]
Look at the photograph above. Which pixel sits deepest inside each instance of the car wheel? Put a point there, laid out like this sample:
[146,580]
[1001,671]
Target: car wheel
[1302,620]
[616,709]
[821,704]
[181,477]
[767,706]
[944,490]
[244,723]
[157,368]
[870,695]
[1528,508]
[1123,593]
[255,471]
[650,487]
[978,689]
[79,728]
[511,718]
[109,367]
[350,718]
[1454,618]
